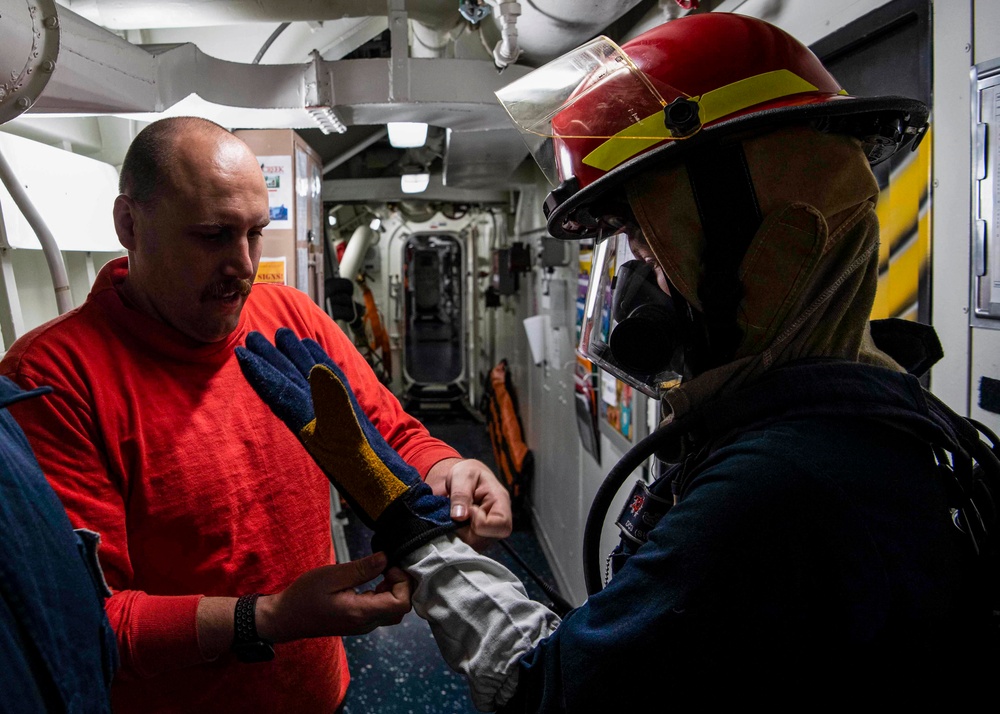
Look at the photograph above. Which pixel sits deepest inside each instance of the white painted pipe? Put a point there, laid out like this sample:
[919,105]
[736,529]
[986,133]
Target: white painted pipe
[506,51]
[57,268]
[429,42]
[354,255]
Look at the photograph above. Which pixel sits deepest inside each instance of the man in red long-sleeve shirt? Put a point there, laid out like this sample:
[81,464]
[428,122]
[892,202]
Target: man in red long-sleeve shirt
[202,497]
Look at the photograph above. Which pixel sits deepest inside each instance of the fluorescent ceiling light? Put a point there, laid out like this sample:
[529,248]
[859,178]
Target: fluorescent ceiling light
[414,183]
[407,135]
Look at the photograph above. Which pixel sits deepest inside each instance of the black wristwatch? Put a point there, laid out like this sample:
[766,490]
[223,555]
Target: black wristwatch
[248,646]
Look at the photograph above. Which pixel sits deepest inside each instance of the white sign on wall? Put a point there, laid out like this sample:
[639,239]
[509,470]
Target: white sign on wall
[278,177]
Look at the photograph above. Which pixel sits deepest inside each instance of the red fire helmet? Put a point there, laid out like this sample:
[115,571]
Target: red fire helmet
[602,113]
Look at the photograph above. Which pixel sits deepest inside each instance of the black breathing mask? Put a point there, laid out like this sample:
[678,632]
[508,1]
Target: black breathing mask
[630,326]
[644,339]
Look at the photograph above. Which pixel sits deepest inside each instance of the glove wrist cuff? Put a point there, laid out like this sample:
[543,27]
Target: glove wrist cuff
[403,526]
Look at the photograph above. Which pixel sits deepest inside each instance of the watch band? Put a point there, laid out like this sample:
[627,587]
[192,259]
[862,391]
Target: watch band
[247,643]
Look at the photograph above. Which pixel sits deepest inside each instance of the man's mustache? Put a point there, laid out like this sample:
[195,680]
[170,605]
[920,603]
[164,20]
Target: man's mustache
[228,287]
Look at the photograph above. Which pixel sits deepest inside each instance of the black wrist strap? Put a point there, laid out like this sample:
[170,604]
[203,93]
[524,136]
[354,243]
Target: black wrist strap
[247,643]
[245,619]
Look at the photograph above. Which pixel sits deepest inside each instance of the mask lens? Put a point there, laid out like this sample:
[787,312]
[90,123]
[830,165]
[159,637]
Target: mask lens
[629,328]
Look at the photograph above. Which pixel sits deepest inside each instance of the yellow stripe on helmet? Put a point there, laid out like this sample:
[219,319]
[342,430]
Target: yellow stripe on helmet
[712,105]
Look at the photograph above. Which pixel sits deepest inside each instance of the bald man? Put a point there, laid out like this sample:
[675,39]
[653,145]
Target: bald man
[215,522]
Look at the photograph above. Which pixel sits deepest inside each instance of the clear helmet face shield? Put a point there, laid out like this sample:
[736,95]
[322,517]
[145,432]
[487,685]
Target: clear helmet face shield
[592,100]
[630,325]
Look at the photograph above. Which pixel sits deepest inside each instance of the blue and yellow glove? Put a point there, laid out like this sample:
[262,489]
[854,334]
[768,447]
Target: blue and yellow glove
[387,493]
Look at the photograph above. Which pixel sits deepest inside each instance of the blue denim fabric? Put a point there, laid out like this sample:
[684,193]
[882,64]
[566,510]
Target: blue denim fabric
[57,650]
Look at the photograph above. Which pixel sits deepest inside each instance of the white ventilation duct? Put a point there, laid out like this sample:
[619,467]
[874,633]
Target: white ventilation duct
[148,14]
[28,53]
[545,28]
[97,72]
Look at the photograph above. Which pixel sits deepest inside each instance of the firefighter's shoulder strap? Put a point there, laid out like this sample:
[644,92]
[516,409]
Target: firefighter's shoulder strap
[514,459]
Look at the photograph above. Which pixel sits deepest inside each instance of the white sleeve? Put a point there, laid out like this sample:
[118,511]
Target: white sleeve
[480,615]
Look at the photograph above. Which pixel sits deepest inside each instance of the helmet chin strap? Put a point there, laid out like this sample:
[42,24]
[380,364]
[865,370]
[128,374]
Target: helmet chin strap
[730,216]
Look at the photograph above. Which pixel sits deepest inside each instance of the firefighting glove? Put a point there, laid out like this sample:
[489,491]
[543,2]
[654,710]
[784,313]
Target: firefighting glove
[311,395]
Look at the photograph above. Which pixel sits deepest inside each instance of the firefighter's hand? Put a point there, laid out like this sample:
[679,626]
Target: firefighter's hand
[477,496]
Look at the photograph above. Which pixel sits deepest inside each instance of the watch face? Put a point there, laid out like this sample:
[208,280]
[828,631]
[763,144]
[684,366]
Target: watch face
[258,651]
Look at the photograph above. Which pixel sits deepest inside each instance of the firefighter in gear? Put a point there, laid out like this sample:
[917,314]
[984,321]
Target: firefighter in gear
[808,542]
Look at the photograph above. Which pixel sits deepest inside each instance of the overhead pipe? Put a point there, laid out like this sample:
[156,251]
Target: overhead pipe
[53,256]
[98,72]
[546,28]
[506,51]
[153,14]
[430,42]
[28,53]
[85,69]
[361,240]
[269,41]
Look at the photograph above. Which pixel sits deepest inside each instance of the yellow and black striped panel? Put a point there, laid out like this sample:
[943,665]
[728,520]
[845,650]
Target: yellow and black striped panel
[904,218]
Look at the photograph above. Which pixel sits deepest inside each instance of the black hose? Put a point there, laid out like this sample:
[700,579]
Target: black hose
[606,494]
[560,605]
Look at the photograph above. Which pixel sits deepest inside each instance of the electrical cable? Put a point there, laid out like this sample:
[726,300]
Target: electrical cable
[482,40]
[269,41]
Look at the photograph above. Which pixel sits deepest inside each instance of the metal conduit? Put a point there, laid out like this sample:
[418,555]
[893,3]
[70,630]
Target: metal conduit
[57,268]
